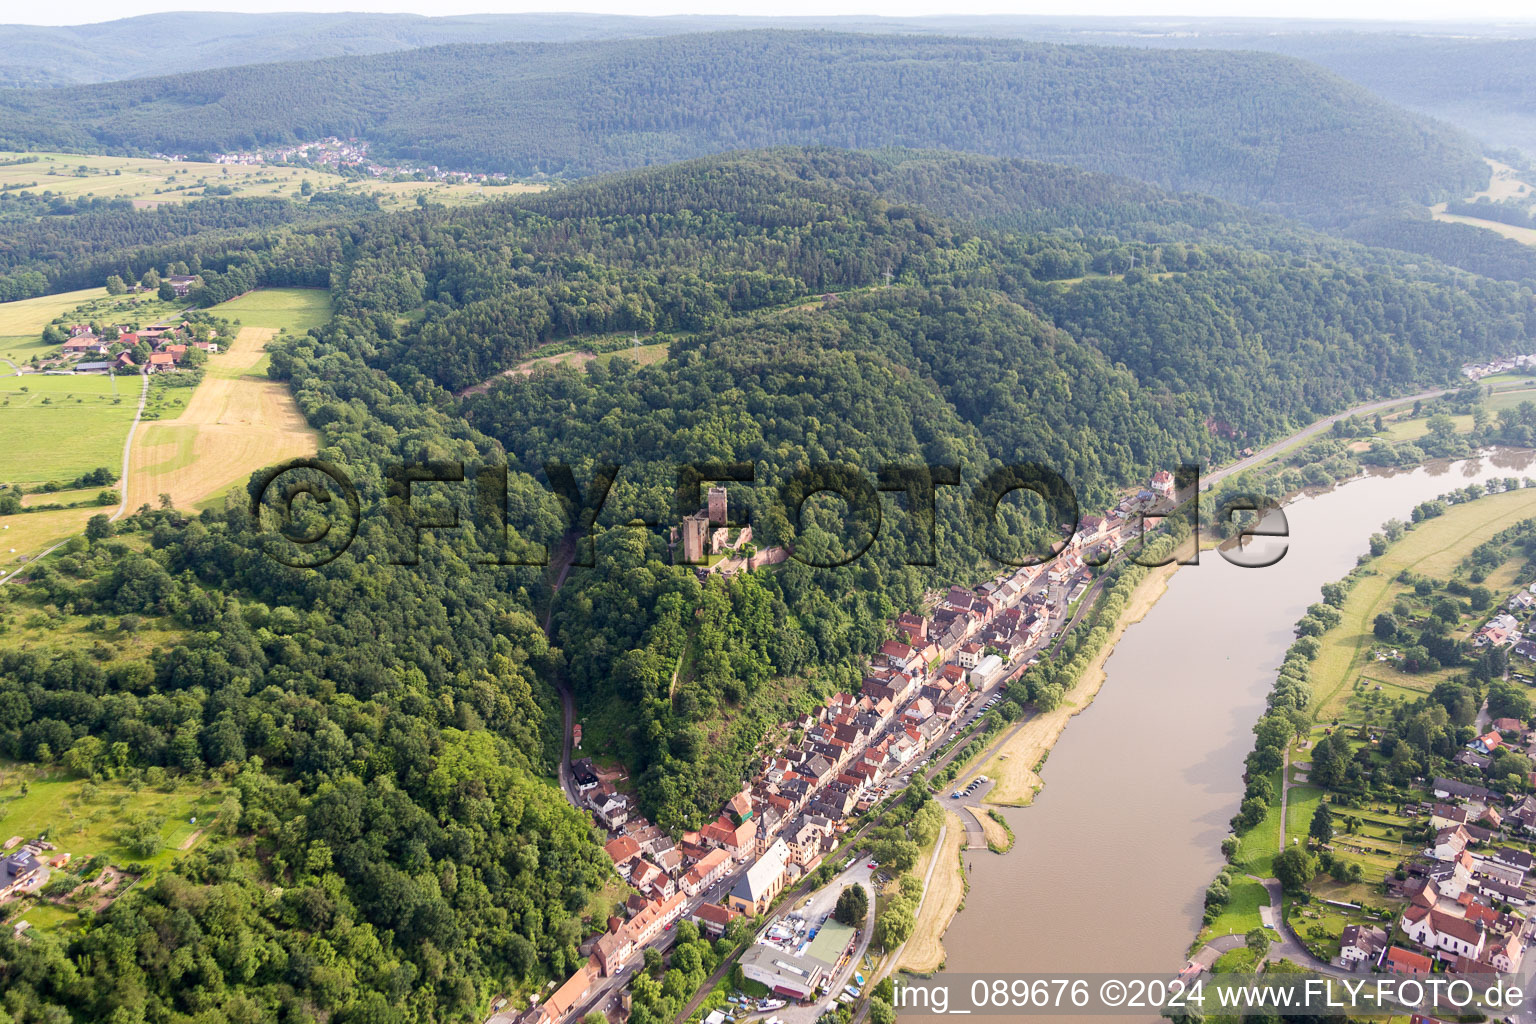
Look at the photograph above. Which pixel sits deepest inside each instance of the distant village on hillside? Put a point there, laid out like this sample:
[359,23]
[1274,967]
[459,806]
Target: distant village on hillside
[340,155]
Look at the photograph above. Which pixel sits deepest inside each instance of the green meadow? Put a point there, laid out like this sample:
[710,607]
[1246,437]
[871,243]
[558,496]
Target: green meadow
[86,819]
[60,426]
[297,309]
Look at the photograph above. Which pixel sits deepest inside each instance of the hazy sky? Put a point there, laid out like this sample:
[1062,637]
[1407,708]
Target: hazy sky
[74,12]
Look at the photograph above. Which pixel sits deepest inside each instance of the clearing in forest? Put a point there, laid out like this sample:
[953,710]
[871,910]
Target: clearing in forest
[237,421]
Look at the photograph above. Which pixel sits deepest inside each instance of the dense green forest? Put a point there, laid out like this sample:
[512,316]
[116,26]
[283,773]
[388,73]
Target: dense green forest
[768,276]
[55,55]
[1253,127]
[50,244]
[1462,245]
[390,729]
[1472,75]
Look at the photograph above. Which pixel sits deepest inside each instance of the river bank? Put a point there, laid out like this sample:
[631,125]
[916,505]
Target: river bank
[1143,787]
[1014,763]
[1011,763]
[924,949]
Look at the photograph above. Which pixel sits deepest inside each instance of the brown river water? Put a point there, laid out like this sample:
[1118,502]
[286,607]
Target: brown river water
[1113,857]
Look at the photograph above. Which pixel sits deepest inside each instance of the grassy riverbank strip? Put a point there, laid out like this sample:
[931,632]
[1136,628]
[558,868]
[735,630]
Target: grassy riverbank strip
[1335,698]
[942,900]
[1014,763]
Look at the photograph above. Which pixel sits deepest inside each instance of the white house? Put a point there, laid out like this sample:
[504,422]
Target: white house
[1506,954]
[986,672]
[1449,843]
[709,870]
[1361,943]
[1444,932]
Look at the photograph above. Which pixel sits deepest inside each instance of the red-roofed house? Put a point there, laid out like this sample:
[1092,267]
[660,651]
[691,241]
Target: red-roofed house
[1487,743]
[86,344]
[611,950]
[566,998]
[647,924]
[651,880]
[712,918]
[920,711]
[899,655]
[1506,954]
[1402,961]
[622,850]
[709,870]
[738,840]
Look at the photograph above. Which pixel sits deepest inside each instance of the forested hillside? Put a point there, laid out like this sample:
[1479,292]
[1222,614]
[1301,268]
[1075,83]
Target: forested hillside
[974,352]
[1251,127]
[51,245]
[109,51]
[1472,75]
[397,850]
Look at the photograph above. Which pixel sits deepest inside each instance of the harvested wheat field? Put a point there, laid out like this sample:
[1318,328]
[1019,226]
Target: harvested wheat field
[236,423]
[1014,765]
[924,950]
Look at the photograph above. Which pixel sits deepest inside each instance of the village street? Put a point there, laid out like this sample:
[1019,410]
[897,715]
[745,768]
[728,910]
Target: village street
[818,905]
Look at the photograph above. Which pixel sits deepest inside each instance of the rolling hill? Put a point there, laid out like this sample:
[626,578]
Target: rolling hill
[1472,75]
[388,724]
[1255,128]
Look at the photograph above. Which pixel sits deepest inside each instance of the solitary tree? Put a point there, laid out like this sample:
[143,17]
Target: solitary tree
[1294,867]
[852,905]
[98,527]
[1258,941]
[1322,823]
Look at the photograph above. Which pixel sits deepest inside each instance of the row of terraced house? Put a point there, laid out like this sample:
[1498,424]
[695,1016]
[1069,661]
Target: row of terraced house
[844,756]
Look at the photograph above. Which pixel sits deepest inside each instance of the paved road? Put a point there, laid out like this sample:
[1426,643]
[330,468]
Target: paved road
[1285,790]
[1288,946]
[894,959]
[560,568]
[823,902]
[1209,480]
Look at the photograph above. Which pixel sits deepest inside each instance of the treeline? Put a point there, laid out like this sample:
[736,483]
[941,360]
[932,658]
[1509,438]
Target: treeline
[46,247]
[1246,126]
[1514,212]
[1460,245]
[388,717]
